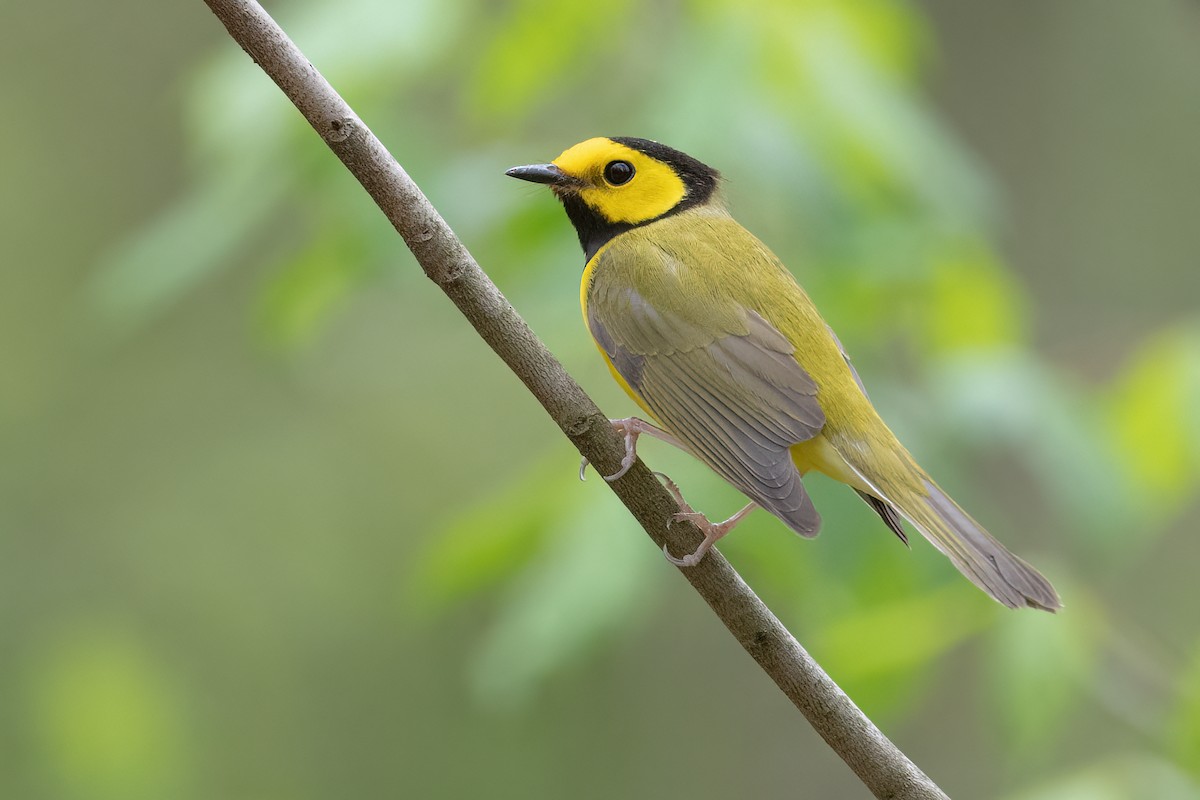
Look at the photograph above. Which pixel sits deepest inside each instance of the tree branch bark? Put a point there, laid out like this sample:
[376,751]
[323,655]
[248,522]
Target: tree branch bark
[885,770]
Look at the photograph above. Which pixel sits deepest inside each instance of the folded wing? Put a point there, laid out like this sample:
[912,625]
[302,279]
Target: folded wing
[731,390]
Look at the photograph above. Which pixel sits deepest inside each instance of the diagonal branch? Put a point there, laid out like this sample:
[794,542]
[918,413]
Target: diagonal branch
[886,771]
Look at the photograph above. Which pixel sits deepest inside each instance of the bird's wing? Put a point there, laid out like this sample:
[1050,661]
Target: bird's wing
[732,391]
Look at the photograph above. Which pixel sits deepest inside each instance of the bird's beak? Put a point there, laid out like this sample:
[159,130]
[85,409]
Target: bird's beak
[548,174]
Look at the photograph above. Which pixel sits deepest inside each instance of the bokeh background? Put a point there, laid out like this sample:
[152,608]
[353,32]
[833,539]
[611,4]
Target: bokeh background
[275,524]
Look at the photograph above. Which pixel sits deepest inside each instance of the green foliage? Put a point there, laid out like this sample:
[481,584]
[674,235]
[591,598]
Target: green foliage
[550,617]
[974,304]
[486,545]
[1117,778]
[1155,432]
[107,715]
[539,46]
[148,274]
[873,651]
[1185,733]
[1042,671]
[312,286]
[903,635]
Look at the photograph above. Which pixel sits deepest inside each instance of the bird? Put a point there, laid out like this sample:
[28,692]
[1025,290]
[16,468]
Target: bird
[712,337]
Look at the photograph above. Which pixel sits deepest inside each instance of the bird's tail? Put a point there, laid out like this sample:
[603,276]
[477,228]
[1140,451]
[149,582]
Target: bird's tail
[983,560]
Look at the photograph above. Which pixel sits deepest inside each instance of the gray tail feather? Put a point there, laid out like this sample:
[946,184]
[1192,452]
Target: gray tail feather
[982,559]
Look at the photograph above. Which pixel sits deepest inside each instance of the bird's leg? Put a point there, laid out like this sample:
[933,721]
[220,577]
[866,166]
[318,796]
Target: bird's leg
[631,428]
[712,530]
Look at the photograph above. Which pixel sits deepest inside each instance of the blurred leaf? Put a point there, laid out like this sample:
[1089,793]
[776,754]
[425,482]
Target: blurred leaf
[1150,415]
[359,45]
[492,541]
[313,285]
[1009,396]
[1041,664]
[884,636]
[107,716]
[247,169]
[887,33]
[595,579]
[1118,777]
[143,276]
[843,58]
[536,49]
[974,303]
[900,635]
[1184,739]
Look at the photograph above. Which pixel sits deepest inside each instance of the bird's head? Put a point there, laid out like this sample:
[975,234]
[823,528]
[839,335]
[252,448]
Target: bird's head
[609,185]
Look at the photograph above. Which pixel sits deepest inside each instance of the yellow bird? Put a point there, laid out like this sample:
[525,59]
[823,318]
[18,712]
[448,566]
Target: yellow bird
[713,338]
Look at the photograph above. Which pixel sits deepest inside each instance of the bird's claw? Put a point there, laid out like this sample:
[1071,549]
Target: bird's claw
[630,454]
[630,429]
[626,463]
[689,560]
[697,519]
[713,531]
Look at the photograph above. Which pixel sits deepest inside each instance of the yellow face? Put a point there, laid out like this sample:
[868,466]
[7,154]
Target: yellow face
[621,184]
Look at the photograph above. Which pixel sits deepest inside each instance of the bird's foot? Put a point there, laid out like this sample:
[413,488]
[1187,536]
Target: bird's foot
[631,428]
[712,531]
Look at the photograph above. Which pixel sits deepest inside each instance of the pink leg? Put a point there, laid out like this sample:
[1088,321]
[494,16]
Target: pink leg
[712,530]
[631,428]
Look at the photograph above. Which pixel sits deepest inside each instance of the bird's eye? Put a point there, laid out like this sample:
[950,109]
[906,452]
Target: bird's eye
[618,172]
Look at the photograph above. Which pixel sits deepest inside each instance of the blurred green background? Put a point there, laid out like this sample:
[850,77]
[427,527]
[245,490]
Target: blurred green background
[275,524]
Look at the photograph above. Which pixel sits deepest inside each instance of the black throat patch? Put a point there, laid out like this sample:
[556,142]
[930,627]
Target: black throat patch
[593,229]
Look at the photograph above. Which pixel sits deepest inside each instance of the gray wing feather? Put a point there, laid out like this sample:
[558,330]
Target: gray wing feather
[739,400]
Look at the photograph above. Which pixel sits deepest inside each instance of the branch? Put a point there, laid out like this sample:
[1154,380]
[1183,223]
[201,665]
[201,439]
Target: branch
[886,771]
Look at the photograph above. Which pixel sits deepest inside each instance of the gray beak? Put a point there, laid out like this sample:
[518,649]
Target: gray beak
[540,173]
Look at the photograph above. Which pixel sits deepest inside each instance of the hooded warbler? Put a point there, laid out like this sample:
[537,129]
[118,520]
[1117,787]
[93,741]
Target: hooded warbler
[712,337]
